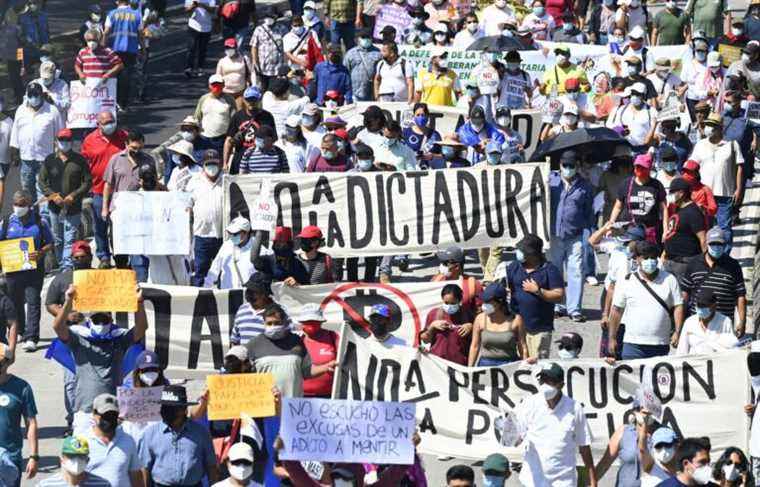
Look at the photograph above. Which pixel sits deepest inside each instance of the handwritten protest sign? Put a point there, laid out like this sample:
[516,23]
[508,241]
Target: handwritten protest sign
[233,394]
[348,431]
[394,16]
[729,54]
[139,404]
[14,254]
[105,290]
[510,431]
[90,98]
[753,111]
[264,211]
[151,223]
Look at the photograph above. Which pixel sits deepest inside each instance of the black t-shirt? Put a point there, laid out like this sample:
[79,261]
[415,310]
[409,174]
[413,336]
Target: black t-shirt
[7,313]
[261,117]
[56,293]
[681,237]
[643,205]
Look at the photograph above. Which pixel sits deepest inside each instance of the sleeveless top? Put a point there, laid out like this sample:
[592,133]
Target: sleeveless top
[629,473]
[499,345]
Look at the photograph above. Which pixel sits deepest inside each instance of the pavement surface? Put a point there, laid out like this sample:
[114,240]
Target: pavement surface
[172,98]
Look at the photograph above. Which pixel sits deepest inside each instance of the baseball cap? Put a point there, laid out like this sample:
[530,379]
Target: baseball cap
[147,360]
[311,312]
[552,370]
[47,69]
[389,29]
[211,156]
[64,134]
[706,297]
[679,184]
[230,43]
[639,88]
[310,4]
[562,50]
[636,33]
[643,160]
[715,235]
[81,246]
[691,165]
[239,224]
[663,435]
[293,121]
[496,463]
[310,231]
[380,309]
[570,341]
[452,253]
[215,79]
[240,451]
[311,109]
[282,235]
[568,156]
[662,62]
[75,445]
[237,351]
[33,89]
[252,93]
[495,290]
[571,108]
[105,403]
[714,119]
[635,233]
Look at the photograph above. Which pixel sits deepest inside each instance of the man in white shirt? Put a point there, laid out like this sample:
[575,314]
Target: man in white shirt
[207,198]
[720,162]
[232,266]
[495,16]
[56,90]
[707,331]
[394,76]
[636,116]
[553,427]
[469,34]
[33,134]
[664,80]
[645,301]
[199,29]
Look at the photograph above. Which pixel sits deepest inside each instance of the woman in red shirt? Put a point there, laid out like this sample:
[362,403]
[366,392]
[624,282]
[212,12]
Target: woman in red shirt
[322,346]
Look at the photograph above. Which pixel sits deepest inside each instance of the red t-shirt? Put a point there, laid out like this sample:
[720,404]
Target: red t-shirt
[322,348]
[98,150]
[471,291]
[448,344]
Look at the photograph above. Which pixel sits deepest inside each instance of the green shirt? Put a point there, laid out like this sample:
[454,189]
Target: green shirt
[16,402]
[670,27]
[707,16]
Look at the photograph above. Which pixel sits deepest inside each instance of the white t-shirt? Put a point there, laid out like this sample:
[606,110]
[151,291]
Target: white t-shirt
[180,177]
[666,86]
[464,38]
[692,73]
[200,20]
[551,441]
[618,267]
[646,321]
[282,109]
[639,122]
[717,165]
[296,154]
[393,78]
[695,339]
[492,16]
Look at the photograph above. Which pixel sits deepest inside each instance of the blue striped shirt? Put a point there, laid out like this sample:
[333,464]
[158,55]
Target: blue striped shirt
[248,324]
[271,161]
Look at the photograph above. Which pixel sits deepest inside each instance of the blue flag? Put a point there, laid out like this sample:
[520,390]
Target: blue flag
[61,353]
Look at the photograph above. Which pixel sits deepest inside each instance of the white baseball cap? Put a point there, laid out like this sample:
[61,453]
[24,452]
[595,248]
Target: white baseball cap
[237,351]
[240,451]
[215,78]
[636,33]
[239,224]
[310,4]
[311,312]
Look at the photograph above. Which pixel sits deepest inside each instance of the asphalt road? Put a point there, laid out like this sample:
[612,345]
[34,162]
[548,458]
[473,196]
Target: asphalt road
[174,97]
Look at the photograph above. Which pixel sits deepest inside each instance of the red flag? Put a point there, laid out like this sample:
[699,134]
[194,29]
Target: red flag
[313,54]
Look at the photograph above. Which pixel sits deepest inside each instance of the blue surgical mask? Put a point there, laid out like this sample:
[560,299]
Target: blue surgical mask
[364,164]
[328,154]
[567,27]
[488,308]
[309,13]
[668,166]
[259,142]
[568,172]
[34,101]
[519,255]
[493,481]
[299,30]
[649,266]
[307,120]
[235,239]
[538,11]
[493,158]
[365,43]
[703,313]
[716,251]
[421,120]
[450,309]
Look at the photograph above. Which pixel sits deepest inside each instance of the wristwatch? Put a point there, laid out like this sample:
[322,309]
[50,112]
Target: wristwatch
[540,293]
[36,458]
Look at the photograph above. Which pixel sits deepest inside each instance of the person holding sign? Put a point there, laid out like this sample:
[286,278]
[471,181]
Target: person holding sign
[553,426]
[25,286]
[448,328]
[177,451]
[96,348]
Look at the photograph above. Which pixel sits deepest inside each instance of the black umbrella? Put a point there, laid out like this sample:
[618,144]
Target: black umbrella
[498,43]
[594,144]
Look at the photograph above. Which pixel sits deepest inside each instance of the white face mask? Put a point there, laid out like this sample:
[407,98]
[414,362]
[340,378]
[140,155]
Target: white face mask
[745,58]
[450,309]
[671,198]
[561,58]
[240,472]
[108,128]
[488,308]
[737,32]
[565,354]
[275,332]
[702,475]
[472,27]
[500,3]
[230,52]
[187,135]
[75,465]
[730,472]
[568,120]
[443,269]
[269,21]
[101,329]
[664,455]
[92,44]
[708,131]
[20,211]
[149,377]
[212,170]
[504,121]
[548,391]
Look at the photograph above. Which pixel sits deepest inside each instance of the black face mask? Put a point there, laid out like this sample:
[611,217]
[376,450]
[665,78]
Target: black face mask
[283,251]
[133,153]
[306,245]
[82,264]
[169,414]
[233,366]
[108,422]
[335,58]
[378,326]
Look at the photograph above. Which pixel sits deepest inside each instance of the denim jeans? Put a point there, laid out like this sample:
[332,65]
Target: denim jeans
[140,264]
[24,288]
[570,251]
[343,30]
[69,388]
[589,259]
[28,172]
[205,249]
[724,219]
[633,351]
[103,251]
[65,229]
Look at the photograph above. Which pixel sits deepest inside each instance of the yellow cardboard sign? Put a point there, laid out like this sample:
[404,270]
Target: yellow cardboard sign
[729,54]
[14,254]
[105,290]
[229,395]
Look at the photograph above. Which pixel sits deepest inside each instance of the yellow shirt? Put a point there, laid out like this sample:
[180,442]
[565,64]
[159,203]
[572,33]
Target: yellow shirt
[556,76]
[437,89]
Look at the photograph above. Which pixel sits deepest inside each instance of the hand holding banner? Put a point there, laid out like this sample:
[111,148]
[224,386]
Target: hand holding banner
[347,431]
[105,290]
[139,404]
[230,395]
